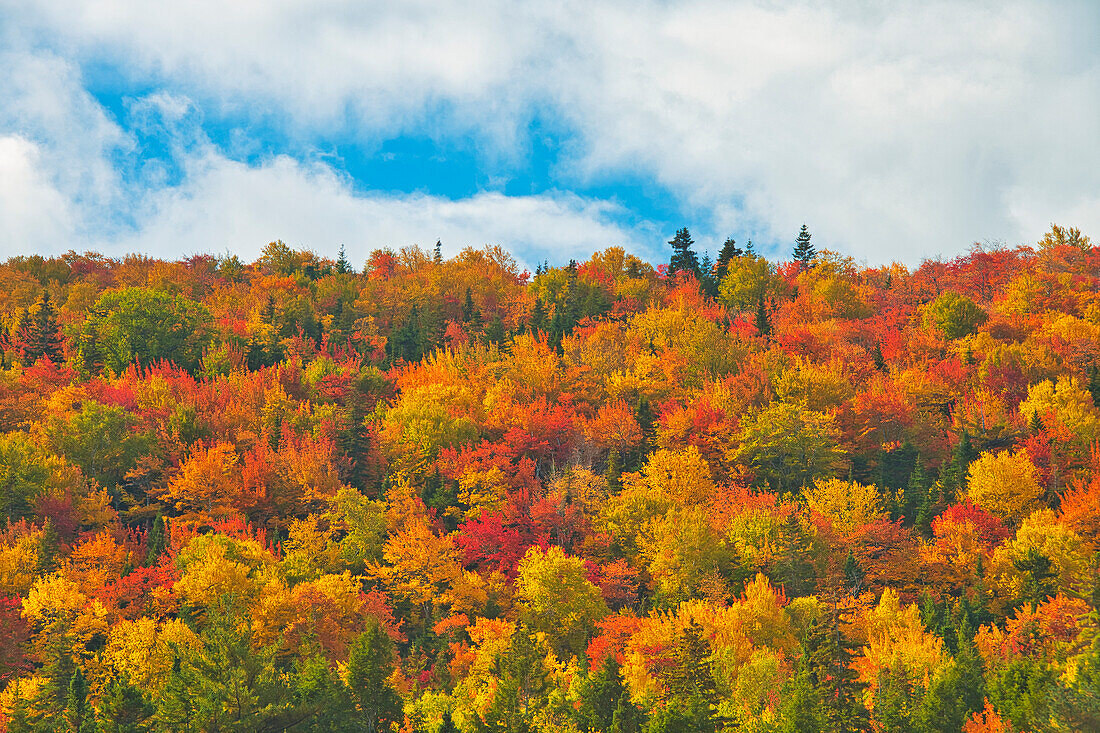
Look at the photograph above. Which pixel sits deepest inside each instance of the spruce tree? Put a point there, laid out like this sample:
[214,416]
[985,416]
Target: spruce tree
[437,253]
[683,257]
[79,715]
[763,321]
[804,252]
[343,267]
[915,496]
[830,658]
[157,541]
[44,335]
[1094,384]
[370,663]
[725,257]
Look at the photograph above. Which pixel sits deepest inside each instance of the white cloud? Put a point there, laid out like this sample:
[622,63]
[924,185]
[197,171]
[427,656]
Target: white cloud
[226,205]
[895,131]
[34,215]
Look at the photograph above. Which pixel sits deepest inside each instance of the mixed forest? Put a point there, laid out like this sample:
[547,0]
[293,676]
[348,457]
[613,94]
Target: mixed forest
[448,494]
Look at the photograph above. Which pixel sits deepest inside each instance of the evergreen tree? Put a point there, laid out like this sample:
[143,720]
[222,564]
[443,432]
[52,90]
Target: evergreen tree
[804,252]
[801,711]
[915,502]
[880,361]
[895,700]
[123,709]
[603,695]
[749,249]
[370,663]
[763,321]
[537,321]
[793,567]
[522,685]
[853,575]
[1094,384]
[614,471]
[838,686]
[471,314]
[627,718]
[707,280]
[157,541]
[44,335]
[447,725]
[437,253]
[725,256]
[79,715]
[683,257]
[343,267]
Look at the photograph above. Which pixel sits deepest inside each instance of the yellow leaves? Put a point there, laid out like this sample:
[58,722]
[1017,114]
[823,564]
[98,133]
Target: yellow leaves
[19,559]
[682,476]
[556,597]
[140,652]
[216,567]
[847,504]
[1003,483]
[1065,401]
[1067,552]
[896,639]
[421,566]
[63,618]
[482,491]
[96,562]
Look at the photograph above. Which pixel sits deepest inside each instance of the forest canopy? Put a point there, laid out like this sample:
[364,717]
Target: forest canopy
[449,494]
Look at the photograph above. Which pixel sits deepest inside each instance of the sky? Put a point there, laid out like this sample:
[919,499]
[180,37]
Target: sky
[896,131]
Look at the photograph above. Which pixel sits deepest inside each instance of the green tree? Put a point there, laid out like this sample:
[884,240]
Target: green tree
[104,440]
[684,258]
[44,335]
[953,315]
[143,326]
[838,686]
[726,255]
[79,715]
[370,664]
[804,252]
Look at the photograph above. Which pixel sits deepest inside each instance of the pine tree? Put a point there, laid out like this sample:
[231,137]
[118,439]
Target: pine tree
[537,321]
[763,320]
[79,715]
[725,257]
[683,257]
[880,361]
[749,249]
[801,712]
[793,566]
[603,695]
[343,267]
[804,252]
[370,663]
[437,253]
[830,658]
[44,335]
[471,314]
[707,280]
[1094,384]
[915,497]
[157,541]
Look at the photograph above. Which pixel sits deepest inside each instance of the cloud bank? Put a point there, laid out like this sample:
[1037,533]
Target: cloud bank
[896,131]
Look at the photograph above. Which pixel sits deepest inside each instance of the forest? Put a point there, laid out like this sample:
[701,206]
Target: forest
[436,494]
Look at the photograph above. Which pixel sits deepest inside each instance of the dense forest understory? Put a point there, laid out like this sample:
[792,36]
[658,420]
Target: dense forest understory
[443,495]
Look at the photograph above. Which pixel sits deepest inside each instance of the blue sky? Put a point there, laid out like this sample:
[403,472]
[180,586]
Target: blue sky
[896,132]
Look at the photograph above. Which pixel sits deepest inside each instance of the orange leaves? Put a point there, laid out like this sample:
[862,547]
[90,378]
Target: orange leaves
[208,484]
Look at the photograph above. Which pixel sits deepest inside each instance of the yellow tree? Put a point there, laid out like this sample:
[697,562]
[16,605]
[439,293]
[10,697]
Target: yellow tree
[556,598]
[847,504]
[1003,484]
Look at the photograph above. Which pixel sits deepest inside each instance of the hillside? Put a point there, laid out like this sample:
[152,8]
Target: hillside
[438,494]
